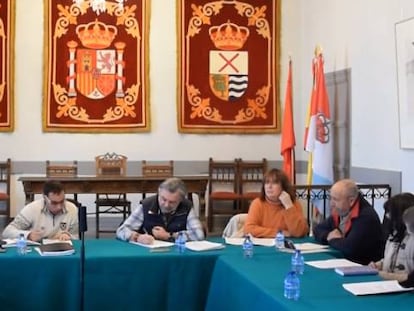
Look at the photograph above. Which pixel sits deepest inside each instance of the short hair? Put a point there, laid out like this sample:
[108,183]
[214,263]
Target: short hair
[350,187]
[277,176]
[52,186]
[173,185]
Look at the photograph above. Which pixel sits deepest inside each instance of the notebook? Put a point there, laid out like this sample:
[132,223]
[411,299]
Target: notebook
[356,270]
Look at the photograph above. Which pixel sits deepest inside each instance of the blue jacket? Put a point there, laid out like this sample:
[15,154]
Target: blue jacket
[173,222]
[363,241]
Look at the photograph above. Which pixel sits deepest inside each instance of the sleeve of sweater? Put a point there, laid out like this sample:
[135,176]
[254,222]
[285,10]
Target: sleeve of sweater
[295,221]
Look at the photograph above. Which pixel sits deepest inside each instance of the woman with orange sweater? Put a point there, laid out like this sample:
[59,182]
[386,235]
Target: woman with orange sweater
[276,209]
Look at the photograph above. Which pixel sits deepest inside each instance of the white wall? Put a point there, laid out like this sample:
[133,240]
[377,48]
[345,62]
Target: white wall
[29,143]
[354,34]
[360,35]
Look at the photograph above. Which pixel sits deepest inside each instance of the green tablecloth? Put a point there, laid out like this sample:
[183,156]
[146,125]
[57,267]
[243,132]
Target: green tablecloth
[257,284]
[123,276]
[33,282]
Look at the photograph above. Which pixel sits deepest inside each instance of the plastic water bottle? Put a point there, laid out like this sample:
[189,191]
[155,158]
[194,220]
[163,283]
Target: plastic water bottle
[180,242]
[280,240]
[247,247]
[292,286]
[21,245]
[298,262]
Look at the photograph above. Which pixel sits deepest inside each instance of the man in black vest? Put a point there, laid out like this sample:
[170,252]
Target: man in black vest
[162,216]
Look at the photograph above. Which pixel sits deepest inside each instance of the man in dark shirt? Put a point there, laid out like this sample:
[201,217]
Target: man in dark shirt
[354,227]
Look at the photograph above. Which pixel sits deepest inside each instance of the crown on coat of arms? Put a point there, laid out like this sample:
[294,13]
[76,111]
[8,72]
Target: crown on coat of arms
[228,36]
[96,35]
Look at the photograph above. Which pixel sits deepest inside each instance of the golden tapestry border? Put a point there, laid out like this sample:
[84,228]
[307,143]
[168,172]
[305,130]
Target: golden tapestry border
[7,68]
[121,107]
[192,95]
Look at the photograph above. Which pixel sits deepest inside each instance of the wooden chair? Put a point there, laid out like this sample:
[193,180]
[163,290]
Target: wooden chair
[59,170]
[223,188]
[164,170]
[111,164]
[250,176]
[5,172]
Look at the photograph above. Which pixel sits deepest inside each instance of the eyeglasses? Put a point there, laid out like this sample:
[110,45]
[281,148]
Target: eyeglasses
[54,203]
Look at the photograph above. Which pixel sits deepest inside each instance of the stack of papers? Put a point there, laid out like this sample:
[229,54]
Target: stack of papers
[376,287]
[307,248]
[256,241]
[200,246]
[332,263]
[155,244]
[61,248]
[303,247]
[12,243]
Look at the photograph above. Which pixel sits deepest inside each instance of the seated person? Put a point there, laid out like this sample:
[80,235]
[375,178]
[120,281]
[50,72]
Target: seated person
[162,216]
[276,209]
[354,227]
[50,217]
[398,259]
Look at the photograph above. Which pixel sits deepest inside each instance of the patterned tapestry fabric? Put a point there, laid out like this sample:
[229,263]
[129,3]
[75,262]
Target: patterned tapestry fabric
[96,75]
[7,13]
[228,63]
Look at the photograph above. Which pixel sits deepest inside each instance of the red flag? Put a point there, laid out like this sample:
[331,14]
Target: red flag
[288,141]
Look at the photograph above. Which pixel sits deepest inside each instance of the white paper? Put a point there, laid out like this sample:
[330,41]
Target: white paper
[12,243]
[256,241]
[155,244]
[376,287]
[203,245]
[310,246]
[53,241]
[331,263]
[60,253]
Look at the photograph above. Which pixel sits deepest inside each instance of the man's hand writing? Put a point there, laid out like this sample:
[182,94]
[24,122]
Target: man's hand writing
[160,233]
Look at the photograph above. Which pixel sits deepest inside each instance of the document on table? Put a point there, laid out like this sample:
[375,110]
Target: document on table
[155,244]
[12,243]
[55,249]
[307,248]
[204,245]
[331,263]
[53,241]
[375,287]
[256,241]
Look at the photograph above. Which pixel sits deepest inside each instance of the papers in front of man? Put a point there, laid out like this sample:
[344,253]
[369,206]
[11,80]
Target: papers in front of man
[375,287]
[270,242]
[332,263]
[61,248]
[12,243]
[256,241]
[52,241]
[155,244]
[204,245]
[307,248]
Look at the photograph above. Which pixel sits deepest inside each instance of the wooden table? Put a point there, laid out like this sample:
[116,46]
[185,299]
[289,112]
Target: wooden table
[114,184]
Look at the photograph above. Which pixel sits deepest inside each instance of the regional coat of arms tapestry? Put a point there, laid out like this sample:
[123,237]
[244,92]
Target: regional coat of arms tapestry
[96,77]
[228,66]
[7,12]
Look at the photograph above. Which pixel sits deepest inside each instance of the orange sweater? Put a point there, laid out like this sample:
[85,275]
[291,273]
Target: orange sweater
[265,220]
